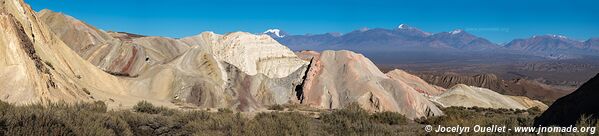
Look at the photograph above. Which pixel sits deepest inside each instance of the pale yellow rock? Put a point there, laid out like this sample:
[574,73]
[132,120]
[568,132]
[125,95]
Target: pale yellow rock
[530,103]
[470,96]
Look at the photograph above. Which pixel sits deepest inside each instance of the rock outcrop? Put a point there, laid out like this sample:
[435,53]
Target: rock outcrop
[37,67]
[517,87]
[570,108]
[125,55]
[470,96]
[338,78]
[198,79]
[252,54]
[415,82]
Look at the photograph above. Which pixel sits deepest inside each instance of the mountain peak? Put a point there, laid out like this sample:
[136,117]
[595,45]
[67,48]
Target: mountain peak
[410,29]
[559,36]
[457,31]
[275,32]
[552,36]
[403,26]
[364,29]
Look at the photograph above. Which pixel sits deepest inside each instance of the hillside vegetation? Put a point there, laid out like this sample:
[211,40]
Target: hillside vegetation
[146,119]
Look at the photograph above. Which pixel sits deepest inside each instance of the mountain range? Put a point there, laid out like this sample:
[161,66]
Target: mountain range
[405,37]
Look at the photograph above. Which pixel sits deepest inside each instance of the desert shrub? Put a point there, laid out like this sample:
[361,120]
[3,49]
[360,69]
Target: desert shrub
[146,124]
[391,118]
[290,123]
[147,107]
[587,121]
[225,110]
[21,121]
[353,120]
[482,116]
[146,119]
[216,124]
[61,119]
[97,106]
[276,107]
[4,107]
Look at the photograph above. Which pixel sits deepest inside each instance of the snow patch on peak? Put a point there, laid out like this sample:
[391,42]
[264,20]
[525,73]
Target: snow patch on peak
[550,36]
[276,32]
[559,36]
[403,26]
[457,31]
[364,29]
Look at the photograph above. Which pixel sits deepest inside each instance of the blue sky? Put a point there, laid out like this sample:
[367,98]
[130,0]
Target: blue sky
[499,21]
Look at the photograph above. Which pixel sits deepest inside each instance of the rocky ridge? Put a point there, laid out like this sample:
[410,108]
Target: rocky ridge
[517,87]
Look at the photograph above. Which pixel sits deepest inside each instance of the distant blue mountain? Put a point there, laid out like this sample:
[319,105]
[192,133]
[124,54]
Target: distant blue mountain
[402,38]
[406,38]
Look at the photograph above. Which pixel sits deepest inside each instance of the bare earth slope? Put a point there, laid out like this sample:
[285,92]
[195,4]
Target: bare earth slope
[36,66]
[170,70]
[416,82]
[337,78]
[113,55]
[518,87]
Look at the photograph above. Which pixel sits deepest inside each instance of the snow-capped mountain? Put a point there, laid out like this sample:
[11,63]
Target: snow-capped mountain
[461,39]
[547,43]
[402,37]
[275,33]
[407,37]
[408,30]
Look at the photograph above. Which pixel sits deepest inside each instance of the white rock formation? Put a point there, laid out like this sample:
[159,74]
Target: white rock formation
[252,54]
